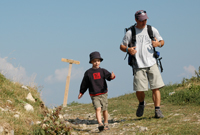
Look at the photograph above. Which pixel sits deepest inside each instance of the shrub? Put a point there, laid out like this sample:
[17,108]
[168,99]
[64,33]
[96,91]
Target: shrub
[52,124]
[187,96]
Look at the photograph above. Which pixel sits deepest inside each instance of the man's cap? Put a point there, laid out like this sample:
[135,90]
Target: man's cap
[95,55]
[141,15]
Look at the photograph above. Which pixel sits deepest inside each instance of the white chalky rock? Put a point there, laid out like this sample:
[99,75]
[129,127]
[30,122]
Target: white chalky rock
[16,115]
[38,122]
[171,93]
[28,107]
[61,116]
[30,97]
[1,129]
[24,87]
[142,129]
[9,101]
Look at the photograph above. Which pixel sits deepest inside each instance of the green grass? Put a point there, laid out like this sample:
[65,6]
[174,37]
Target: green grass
[17,95]
[181,109]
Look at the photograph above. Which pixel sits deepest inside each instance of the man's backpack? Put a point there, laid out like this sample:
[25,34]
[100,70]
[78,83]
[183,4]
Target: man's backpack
[131,59]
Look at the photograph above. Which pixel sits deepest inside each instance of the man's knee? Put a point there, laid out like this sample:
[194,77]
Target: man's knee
[155,90]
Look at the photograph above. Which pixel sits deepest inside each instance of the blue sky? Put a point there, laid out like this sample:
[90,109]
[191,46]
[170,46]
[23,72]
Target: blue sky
[35,35]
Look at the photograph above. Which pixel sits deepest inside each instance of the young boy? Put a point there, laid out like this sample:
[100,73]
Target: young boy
[95,79]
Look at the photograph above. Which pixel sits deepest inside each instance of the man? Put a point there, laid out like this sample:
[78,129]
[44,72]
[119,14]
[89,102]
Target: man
[145,66]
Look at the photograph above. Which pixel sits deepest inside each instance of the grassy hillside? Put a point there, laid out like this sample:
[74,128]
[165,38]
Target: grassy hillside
[16,119]
[180,106]
[13,116]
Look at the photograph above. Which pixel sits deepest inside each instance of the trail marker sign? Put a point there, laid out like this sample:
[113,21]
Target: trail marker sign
[68,78]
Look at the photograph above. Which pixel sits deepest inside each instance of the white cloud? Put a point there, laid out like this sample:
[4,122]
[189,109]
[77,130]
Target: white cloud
[189,71]
[60,75]
[16,74]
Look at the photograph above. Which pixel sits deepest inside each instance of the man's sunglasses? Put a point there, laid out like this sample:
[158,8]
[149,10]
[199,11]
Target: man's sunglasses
[141,12]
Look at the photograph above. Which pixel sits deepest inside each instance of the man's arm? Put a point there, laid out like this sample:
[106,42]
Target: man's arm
[131,50]
[158,43]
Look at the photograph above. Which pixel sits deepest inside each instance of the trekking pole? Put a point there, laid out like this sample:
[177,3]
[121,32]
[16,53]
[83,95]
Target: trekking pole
[161,68]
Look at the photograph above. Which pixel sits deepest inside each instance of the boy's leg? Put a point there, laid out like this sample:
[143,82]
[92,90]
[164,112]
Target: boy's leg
[98,115]
[96,100]
[105,116]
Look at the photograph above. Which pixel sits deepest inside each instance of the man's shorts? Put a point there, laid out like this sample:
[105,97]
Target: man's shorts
[144,75]
[100,101]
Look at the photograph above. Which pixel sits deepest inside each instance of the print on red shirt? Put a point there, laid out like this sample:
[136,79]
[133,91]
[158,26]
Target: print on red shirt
[96,75]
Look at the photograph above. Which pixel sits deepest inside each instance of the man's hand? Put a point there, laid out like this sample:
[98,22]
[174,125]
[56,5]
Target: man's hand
[155,43]
[132,50]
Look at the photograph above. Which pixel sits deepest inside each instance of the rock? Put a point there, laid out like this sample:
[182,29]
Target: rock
[38,122]
[176,114]
[24,87]
[60,116]
[44,125]
[12,132]
[16,115]
[1,129]
[2,109]
[9,101]
[171,93]
[28,107]
[142,129]
[30,97]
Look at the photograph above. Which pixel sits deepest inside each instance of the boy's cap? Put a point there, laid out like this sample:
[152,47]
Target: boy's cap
[141,15]
[95,55]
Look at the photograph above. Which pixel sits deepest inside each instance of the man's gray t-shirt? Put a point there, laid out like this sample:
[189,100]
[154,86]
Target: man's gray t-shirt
[144,55]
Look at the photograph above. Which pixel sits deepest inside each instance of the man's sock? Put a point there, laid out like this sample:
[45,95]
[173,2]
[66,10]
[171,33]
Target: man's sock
[142,103]
[157,107]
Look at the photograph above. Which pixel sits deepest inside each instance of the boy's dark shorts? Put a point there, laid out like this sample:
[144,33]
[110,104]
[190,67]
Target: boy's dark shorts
[100,101]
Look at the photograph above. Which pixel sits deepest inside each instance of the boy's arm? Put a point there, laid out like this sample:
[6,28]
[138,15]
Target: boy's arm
[112,76]
[108,76]
[84,86]
[80,95]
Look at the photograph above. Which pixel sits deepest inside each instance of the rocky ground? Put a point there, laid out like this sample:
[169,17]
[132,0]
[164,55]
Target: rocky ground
[86,124]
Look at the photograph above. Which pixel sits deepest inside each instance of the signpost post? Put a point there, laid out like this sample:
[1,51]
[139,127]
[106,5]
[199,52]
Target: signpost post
[68,78]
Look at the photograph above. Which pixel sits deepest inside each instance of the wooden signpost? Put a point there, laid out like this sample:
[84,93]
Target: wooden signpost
[68,78]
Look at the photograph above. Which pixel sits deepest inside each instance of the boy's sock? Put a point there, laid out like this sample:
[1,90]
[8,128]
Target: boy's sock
[157,107]
[105,123]
[142,103]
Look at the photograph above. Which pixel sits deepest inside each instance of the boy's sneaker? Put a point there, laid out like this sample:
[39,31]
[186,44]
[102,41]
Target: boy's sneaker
[158,113]
[101,127]
[140,110]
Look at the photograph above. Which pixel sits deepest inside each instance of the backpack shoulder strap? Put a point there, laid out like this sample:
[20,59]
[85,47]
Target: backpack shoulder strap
[150,32]
[132,28]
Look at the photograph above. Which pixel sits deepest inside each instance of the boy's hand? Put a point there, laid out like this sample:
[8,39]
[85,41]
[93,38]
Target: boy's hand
[80,95]
[112,75]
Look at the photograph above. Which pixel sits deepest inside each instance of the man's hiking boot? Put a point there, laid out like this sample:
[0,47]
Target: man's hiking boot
[101,127]
[140,110]
[158,113]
